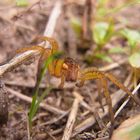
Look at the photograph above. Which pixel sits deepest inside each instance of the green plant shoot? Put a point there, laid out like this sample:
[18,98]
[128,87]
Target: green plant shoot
[37,100]
[102,33]
[22,3]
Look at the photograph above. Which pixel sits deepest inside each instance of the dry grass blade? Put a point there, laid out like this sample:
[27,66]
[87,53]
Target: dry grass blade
[71,120]
[3,104]
[113,65]
[123,105]
[29,100]
[91,109]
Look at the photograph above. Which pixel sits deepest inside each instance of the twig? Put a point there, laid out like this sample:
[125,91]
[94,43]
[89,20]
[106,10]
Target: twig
[25,84]
[40,115]
[124,103]
[51,136]
[23,13]
[29,100]
[57,131]
[87,19]
[3,104]
[52,19]
[71,120]
[91,109]
[113,65]
[48,32]
[28,129]
[30,84]
[52,121]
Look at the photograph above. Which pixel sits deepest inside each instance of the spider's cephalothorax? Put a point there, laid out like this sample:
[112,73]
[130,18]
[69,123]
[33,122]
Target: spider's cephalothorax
[72,69]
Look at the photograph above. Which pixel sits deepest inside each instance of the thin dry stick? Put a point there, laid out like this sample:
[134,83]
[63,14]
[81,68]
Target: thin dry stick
[91,109]
[26,84]
[29,100]
[53,120]
[84,125]
[124,104]
[113,65]
[71,120]
[48,32]
[28,128]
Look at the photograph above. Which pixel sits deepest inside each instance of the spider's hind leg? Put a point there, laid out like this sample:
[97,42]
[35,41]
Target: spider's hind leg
[92,73]
[108,100]
[100,94]
[121,86]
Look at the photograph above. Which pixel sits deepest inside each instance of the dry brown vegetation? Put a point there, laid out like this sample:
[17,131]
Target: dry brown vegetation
[71,112]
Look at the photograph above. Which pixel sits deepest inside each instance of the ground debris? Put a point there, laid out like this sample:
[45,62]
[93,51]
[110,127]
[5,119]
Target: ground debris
[3,104]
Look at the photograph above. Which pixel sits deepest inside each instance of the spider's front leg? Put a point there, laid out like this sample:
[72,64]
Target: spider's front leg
[25,49]
[53,43]
[45,52]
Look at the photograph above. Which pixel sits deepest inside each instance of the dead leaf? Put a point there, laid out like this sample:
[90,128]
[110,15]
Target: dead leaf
[128,130]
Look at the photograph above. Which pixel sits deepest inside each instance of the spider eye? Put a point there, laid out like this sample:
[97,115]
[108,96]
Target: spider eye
[65,66]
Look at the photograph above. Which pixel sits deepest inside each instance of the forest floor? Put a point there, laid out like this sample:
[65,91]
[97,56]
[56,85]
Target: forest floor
[18,27]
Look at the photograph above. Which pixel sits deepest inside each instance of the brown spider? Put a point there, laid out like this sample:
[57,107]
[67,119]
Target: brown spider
[69,70]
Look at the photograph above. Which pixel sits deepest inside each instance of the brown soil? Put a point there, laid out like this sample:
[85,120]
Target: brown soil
[18,27]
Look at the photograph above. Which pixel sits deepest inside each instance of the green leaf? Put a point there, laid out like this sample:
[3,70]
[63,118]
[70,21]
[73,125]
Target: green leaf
[101,12]
[102,2]
[132,36]
[116,50]
[103,57]
[76,25]
[99,32]
[134,60]
[102,32]
[37,103]
[101,8]
[22,3]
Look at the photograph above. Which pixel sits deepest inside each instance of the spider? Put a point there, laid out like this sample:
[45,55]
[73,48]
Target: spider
[69,70]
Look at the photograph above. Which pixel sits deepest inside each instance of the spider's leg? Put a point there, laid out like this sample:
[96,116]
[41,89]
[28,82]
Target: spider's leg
[121,86]
[108,100]
[58,67]
[24,49]
[100,95]
[99,120]
[80,84]
[52,42]
[91,74]
[61,85]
